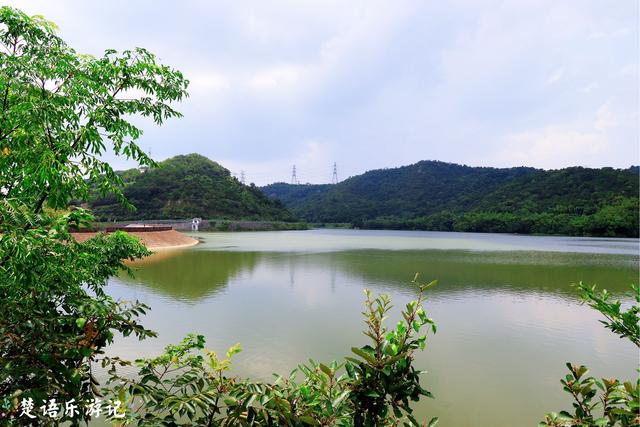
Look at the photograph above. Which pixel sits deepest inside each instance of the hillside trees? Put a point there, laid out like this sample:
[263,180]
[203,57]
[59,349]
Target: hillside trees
[447,197]
[188,186]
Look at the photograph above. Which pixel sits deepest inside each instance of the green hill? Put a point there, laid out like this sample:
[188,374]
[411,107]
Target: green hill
[186,187]
[432,195]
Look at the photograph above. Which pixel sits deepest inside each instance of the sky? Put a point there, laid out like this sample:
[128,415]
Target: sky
[375,84]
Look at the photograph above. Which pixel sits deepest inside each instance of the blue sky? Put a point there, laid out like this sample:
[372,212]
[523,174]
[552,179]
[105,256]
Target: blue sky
[372,84]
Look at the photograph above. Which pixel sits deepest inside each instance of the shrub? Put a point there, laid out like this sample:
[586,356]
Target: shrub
[605,402]
[188,385]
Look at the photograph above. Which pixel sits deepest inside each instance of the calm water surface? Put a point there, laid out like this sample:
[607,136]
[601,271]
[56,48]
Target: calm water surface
[508,317]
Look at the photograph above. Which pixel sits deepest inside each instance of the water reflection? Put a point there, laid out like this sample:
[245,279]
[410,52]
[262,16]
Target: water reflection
[515,271]
[327,240]
[192,275]
[195,275]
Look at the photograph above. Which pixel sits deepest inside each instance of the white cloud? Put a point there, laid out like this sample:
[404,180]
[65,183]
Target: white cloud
[379,83]
[556,146]
[280,78]
[208,81]
[618,32]
[630,70]
[589,87]
[552,147]
[604,118]
[555,77]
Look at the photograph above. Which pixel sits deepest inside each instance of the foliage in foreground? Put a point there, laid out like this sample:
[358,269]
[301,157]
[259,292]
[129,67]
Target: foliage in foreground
[60,109]
[609,401]
[55,317]
[375,387]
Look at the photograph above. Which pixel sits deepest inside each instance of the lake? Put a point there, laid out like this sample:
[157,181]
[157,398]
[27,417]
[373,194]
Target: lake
[508,318]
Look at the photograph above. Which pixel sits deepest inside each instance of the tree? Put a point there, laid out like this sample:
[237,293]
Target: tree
[60,112]
[61,108]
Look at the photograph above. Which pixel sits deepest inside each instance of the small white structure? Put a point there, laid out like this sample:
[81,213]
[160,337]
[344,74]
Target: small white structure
[195,223]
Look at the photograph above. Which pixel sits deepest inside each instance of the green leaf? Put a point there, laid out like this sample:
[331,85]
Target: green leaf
[364,355]
[338,400]
[309,420]
[326,370]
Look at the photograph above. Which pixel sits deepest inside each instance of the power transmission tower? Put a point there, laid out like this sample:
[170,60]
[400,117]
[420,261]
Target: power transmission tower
[242,177]
[334,178]
[294,177]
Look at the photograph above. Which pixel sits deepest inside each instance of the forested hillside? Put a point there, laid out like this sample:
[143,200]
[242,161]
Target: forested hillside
[185,187]
[433,195]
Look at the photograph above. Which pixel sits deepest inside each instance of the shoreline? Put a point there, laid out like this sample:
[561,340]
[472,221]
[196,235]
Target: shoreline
[153,240]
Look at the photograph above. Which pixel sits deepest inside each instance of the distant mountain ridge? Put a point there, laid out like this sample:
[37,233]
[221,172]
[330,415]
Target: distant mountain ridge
[433,195]
[188,186]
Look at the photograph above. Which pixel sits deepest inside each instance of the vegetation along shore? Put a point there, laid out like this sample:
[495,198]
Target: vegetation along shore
[439,196]
[427,195]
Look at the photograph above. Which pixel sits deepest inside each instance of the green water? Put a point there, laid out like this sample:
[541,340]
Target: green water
[508,318]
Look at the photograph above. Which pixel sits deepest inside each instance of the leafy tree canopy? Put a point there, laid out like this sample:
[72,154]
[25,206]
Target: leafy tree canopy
[60,112]
[61,109]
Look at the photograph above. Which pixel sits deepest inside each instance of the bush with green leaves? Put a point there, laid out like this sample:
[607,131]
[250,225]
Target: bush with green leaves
[607,402]
[187,385]
[55,316]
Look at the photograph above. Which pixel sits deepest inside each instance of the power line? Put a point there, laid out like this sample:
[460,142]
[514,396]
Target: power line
[312,174]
